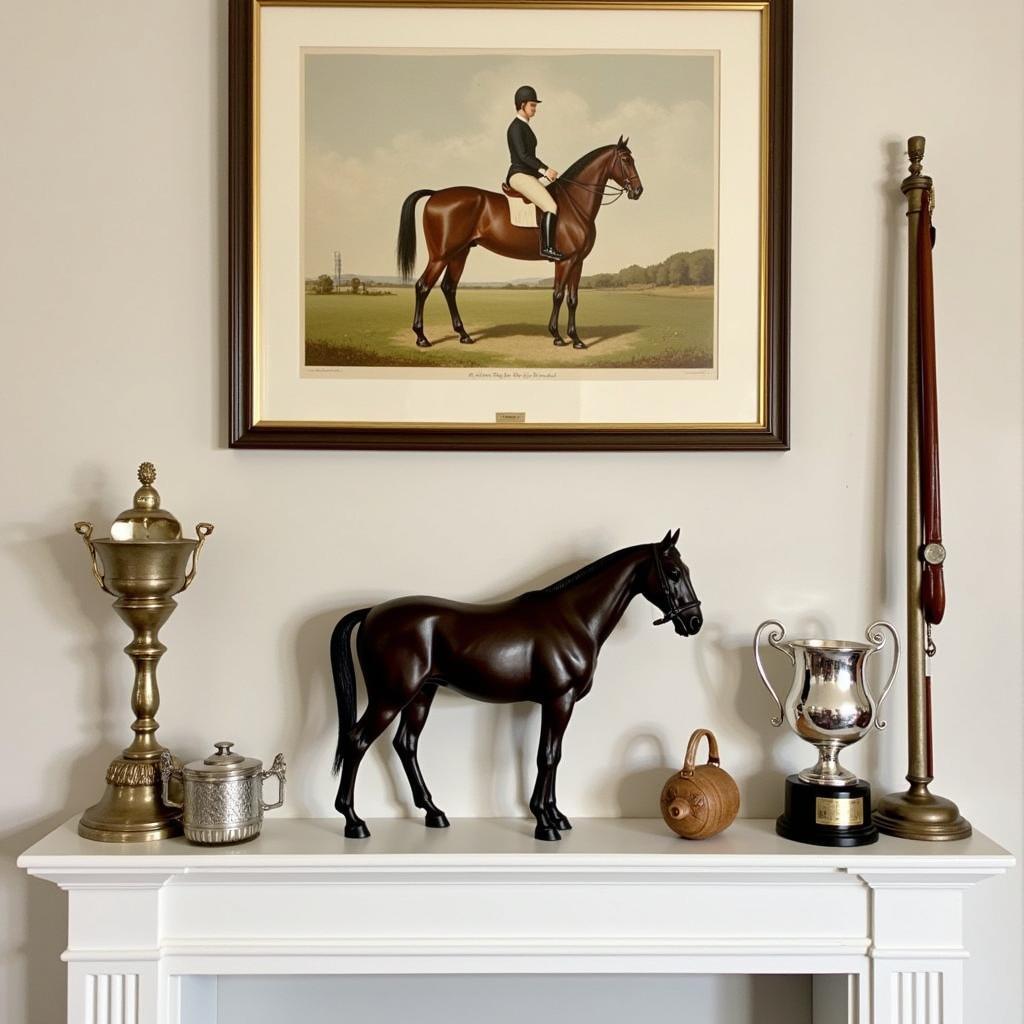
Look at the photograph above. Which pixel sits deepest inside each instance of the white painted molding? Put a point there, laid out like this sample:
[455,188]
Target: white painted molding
[615,896]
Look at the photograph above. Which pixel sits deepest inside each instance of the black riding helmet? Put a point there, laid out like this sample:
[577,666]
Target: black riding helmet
[526,94]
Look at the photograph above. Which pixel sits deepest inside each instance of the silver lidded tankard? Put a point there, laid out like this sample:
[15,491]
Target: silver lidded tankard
[829,703]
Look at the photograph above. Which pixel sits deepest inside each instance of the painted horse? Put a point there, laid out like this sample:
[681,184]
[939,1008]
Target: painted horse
[541,646]
[456,219]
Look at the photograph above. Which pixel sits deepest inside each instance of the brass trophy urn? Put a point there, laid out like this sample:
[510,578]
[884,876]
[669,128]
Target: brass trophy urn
[142,564]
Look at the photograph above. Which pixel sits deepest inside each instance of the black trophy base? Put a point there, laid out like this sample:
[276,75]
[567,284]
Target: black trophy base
[827,815]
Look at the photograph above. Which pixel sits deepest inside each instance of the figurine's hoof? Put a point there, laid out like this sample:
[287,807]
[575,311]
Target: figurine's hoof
[560,342]
[358,831]
[548,835]
[562,823]
[467,340]
[422,343]
[437,820]
[578,344]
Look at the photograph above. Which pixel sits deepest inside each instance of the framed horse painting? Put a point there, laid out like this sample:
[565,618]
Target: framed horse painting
[510,225]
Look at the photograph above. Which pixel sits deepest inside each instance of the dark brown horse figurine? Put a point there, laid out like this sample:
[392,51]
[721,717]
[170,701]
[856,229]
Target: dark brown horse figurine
[456,219]
[541,646]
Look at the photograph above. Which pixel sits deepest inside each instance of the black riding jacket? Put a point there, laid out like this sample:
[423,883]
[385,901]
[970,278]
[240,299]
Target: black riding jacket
[522,148]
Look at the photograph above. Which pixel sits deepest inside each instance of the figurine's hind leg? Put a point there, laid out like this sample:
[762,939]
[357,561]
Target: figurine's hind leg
[414,717]
[374,721]
[555,717]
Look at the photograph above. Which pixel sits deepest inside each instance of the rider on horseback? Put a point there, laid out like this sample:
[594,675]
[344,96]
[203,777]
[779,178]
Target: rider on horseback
[527,172]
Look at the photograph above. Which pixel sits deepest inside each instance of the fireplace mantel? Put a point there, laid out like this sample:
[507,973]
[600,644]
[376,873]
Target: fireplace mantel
[879,927]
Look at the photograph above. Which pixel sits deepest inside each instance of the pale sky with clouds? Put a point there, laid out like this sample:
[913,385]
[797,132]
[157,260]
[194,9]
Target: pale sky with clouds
[379,126]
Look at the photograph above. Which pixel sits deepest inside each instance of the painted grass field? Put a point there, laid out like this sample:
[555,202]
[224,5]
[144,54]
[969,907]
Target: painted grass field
[650,328]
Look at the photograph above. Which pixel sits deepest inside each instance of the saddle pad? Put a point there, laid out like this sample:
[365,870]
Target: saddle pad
[521,213]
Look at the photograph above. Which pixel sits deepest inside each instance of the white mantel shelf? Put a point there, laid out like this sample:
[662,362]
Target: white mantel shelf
[879,927]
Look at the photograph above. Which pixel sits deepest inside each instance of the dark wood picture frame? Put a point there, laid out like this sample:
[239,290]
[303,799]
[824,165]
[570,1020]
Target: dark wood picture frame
[770,434]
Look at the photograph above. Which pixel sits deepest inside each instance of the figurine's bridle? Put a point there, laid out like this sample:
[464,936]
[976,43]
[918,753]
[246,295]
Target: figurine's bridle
[675,611]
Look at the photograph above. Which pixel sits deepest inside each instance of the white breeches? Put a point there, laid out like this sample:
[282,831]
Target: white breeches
[530,187]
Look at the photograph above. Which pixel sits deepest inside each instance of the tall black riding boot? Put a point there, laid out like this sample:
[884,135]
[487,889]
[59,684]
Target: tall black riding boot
[547,238]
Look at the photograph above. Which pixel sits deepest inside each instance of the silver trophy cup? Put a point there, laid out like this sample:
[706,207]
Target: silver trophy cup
[828,703]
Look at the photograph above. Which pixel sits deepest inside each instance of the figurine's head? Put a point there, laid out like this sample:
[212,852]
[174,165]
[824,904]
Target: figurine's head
[666,584]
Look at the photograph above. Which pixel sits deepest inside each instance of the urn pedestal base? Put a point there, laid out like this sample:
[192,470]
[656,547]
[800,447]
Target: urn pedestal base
[827,815]
[132,809]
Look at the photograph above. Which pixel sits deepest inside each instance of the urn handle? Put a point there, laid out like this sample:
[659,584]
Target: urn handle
[203,530]
[85,531]
[168,772]
[689,764]
[775,638]
[277,768]
[877,641]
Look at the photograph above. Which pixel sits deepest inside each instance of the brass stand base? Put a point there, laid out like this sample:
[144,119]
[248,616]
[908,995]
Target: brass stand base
[132,809]
[918,814]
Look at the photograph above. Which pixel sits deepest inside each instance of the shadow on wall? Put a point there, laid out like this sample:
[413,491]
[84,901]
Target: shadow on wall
[97,698]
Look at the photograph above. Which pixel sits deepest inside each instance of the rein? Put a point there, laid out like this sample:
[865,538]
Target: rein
[602,190]
[675,611]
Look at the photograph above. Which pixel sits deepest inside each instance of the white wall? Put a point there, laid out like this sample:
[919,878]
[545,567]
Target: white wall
[113,318]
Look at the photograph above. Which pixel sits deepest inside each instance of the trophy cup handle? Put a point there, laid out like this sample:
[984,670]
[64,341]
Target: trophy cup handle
[203,530]
[877,640]
[168,772]
[85,531]
[277,768]
[775,639]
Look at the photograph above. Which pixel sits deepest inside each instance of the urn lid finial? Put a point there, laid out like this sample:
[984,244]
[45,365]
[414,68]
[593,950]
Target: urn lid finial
[146,520]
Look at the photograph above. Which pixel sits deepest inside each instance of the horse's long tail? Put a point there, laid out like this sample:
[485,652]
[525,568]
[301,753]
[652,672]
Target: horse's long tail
[405,250]
[344,678]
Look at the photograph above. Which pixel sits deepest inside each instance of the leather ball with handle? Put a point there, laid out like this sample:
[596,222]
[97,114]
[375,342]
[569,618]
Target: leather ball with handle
[700,800]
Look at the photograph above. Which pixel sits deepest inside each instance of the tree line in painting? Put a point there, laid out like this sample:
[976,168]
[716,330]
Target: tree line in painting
[697,267]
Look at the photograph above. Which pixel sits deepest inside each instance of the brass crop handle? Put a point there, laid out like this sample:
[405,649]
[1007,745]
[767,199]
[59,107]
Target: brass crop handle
[277,768]
[203,530]
[85,531]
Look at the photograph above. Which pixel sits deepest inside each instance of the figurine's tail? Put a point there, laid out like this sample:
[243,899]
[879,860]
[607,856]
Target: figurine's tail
[344,678]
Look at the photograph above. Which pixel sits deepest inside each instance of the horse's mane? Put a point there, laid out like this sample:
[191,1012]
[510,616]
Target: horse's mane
[584,161]
[586,572]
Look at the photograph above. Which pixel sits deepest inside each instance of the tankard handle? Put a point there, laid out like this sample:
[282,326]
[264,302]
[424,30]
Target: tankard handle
[168,772]
[277,768]
[775,638]
[877,641]
[84,530]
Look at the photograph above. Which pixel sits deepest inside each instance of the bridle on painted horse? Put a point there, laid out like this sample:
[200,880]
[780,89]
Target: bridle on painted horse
[604,189]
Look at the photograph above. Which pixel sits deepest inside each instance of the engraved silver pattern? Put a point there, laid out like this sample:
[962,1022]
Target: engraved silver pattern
[223,801]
